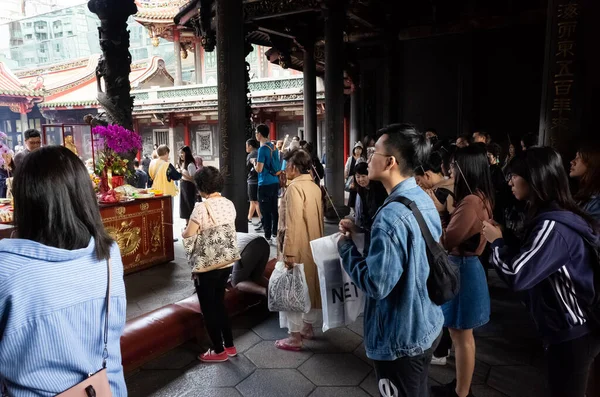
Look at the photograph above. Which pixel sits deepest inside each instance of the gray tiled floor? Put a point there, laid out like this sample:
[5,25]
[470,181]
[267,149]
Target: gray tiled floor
[509,361]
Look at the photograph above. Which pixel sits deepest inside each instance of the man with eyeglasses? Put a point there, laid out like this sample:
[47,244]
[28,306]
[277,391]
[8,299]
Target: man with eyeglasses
[33,141]
[402,325]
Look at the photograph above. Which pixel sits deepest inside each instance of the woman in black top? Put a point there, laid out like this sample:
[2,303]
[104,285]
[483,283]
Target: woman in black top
[349,170]
[187,201]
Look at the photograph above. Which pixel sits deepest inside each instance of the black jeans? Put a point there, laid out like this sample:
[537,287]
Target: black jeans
[210,287]
[267,198]
[405,376]
[445,344]
[569,365]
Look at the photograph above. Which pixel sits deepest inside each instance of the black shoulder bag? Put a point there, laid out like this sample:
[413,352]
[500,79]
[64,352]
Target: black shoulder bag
[443,282]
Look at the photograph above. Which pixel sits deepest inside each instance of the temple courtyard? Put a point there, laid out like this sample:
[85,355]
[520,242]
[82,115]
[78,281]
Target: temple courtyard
[509,353]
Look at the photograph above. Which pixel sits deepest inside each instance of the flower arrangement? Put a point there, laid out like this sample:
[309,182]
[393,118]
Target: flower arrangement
[114,143]
[5,152]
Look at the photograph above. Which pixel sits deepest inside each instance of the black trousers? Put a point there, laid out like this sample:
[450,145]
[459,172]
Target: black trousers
[405,376]
[267,201]
[210,287]
[569,365]
[445,344]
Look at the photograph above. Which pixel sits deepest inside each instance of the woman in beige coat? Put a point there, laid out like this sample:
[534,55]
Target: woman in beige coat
[300,222]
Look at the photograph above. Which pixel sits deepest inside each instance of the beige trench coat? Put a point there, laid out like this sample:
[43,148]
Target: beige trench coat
[300,222]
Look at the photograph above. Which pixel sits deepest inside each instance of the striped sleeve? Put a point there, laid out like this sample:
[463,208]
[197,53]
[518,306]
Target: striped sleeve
[540,256]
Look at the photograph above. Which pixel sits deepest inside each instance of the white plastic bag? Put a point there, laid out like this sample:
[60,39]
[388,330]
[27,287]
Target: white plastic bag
[288,290]
[342,301]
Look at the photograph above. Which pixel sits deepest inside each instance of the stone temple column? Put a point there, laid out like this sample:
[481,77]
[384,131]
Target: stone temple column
[177,53]
[198,61]
[310,95]
[334,101]
[231,78]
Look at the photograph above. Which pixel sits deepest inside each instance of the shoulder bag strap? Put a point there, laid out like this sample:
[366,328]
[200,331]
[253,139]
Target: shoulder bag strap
[429,240]
[209,212]
[107,311]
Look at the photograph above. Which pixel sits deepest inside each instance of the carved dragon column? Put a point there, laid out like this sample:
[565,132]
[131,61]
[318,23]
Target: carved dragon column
[115,64]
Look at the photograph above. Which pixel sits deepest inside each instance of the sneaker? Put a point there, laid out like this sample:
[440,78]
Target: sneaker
[249,220]
[212,357]
[438,360]
[269,240]
[231,351]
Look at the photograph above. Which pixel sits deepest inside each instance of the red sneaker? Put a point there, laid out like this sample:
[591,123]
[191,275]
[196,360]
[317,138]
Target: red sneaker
[231,351]
[212,357]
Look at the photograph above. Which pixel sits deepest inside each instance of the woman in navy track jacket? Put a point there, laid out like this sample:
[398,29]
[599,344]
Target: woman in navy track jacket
[554,266]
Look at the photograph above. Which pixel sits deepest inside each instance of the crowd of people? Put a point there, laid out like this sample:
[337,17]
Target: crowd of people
[509,211]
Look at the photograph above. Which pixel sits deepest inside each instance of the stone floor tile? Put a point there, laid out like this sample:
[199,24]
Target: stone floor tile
[210,392]
[370,385]
[266,355]
[133,310]
[486,391]
[337,340]
[503,351]
[446,373]
[335,370]
[157,383]
[178,358]
[227,374]
[518,381]
[339,392]
[269,329]
[244,339]
[275,383]
[358,327]
[361,353]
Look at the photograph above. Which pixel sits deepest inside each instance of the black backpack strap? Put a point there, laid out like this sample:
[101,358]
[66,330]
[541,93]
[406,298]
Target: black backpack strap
[420,221]
[429,240]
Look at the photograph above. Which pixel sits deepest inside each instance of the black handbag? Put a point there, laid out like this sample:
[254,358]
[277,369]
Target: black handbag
[443,282]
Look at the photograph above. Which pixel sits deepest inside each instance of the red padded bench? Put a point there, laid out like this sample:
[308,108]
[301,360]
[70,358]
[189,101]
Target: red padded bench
[153,334]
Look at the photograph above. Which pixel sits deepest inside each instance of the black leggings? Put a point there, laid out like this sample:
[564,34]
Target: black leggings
[569,365]
[210,287]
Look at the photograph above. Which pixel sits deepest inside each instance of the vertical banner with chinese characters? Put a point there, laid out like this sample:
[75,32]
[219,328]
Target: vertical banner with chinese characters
[559,114]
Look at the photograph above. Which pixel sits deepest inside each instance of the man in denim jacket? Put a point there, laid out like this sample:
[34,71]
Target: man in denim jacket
[402,325]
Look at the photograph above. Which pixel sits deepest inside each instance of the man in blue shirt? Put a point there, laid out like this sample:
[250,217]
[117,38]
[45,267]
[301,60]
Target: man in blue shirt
[267,164]
[402,325]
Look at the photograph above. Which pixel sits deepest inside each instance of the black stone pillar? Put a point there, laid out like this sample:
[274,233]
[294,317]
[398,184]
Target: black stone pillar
[570,86]
[334,101]
[232,102]
[310,96]
[354,117]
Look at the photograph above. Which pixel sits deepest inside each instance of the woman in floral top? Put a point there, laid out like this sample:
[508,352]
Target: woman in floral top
[214,211]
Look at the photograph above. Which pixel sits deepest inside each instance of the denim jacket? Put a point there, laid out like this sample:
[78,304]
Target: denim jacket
[399,320]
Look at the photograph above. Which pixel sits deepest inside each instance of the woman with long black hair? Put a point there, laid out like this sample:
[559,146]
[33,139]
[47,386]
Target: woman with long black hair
[187,200]
[462,238]
[53,331]
[554,267]
[586,168]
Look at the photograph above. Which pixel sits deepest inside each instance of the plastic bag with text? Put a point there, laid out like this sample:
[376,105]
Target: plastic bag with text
[342,301]
[288,290]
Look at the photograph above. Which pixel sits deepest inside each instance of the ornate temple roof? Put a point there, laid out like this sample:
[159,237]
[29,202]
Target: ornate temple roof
[73,84]
[158,11]
[17,96]
[11,86]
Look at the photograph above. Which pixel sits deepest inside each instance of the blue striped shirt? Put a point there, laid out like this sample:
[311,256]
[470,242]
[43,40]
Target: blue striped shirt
[52,304]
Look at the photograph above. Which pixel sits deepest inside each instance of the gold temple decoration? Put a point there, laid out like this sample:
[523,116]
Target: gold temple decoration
[155,236]
[127,237]
[144,206]
[120,210]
